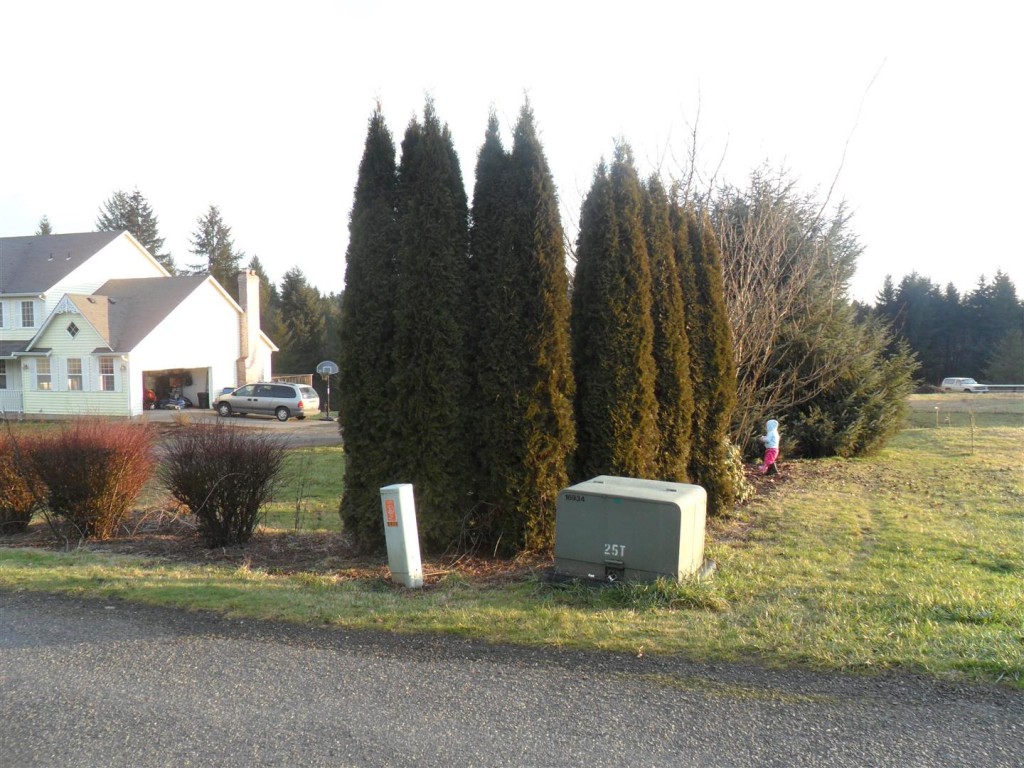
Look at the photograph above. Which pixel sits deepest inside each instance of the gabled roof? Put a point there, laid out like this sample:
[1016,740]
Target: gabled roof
[136,306]
[36,263]
[124,312]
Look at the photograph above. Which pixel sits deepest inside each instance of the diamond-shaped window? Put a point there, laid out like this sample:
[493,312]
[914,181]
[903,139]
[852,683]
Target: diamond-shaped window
[72,330]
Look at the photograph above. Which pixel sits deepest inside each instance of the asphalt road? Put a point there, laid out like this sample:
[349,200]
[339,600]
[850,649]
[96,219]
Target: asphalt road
[106,683]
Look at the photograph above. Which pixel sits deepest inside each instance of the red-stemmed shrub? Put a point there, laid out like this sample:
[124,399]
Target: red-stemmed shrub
[20,487]
[224,475]
[93,471]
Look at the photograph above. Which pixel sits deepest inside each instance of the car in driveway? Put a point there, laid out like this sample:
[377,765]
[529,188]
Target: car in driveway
[265,398]
[962,384]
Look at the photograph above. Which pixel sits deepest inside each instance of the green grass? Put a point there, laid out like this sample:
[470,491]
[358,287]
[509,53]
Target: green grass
[308,497]
[912,559]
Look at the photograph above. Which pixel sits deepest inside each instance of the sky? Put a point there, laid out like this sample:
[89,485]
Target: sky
[907,111]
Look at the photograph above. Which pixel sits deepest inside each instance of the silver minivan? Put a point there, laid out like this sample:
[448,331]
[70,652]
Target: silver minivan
[270,399]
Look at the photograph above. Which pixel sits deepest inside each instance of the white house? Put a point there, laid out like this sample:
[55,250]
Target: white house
[89,322]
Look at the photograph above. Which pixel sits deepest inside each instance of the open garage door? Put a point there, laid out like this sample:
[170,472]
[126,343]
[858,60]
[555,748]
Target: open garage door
[177,388]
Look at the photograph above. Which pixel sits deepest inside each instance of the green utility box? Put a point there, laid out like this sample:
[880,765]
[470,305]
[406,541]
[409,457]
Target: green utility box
[623,528]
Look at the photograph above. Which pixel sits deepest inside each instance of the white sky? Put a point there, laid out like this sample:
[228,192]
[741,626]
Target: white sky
[261,108]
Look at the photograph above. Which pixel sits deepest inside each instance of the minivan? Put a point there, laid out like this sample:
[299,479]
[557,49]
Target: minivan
[279,399]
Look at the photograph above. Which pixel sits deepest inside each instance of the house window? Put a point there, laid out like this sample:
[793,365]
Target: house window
[72,330]
[3,374]
[43,373]
[28,314]
[107,374]
[75,374]
[1,314]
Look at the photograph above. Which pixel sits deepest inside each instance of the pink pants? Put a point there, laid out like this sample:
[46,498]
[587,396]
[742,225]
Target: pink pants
[770,455]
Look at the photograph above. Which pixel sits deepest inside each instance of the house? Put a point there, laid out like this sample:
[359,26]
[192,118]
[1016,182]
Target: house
[90,321]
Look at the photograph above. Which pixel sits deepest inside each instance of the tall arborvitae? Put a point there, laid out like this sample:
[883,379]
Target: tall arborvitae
[430,448]
[673,388]
[711,360]
[612,330]
[367,333]
[523,375]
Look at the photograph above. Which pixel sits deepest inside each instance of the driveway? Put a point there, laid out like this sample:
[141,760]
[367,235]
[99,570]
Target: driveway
[106,683]
[311,431]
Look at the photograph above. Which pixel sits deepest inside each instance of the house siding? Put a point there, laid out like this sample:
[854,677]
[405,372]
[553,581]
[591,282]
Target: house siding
[201,333]
[89,401]
[120,257]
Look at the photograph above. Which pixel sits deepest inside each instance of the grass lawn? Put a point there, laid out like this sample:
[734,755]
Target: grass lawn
[912,559]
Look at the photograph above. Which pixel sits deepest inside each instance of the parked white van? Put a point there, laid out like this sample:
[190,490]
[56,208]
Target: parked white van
[961,384]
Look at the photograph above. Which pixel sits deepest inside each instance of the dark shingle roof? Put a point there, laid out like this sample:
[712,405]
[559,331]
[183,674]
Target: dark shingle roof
[36,263]
[134,307]
[8,348]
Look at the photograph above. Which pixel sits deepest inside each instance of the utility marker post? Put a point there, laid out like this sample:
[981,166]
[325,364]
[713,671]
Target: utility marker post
[401,534]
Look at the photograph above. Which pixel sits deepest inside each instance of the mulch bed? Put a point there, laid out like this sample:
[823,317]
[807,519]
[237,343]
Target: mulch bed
[154,532]
[172,537]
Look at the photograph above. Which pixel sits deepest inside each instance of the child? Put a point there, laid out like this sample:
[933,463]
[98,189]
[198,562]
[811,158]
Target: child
[771,448]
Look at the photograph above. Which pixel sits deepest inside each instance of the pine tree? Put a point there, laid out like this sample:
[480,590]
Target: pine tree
[673,388]
[429,353]
[365,396]
[134,213]
[270,321]
[212,242]
[302,325]
[524,384]
[44,227]
[612,330]
[711,362]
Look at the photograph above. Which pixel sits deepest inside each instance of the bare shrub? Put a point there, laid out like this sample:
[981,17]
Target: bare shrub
[223,475]
[20,488]
[93,471]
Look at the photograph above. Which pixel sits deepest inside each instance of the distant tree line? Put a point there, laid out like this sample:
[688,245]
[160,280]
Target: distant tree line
[978,334]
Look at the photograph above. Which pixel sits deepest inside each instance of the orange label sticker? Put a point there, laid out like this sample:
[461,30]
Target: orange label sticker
[390,517]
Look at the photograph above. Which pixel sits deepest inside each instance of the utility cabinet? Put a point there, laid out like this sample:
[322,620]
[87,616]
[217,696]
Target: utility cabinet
[623,528]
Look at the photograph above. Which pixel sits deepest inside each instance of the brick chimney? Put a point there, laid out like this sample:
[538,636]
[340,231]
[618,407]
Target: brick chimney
[249,299]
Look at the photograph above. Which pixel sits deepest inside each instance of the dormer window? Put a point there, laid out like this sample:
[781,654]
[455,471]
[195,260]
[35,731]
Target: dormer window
[72,330]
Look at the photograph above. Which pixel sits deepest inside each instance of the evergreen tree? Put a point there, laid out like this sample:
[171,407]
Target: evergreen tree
[133,212]
[212,242]
[302,325]
[612,330]
[885,299]
[1006,364]
[431,382]
[365,396]
[673,387]
[711,361]
[270,320]
[523,384]
[44,227]
[866,404]
[994,311]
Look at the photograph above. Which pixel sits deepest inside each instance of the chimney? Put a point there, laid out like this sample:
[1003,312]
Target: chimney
[249,298]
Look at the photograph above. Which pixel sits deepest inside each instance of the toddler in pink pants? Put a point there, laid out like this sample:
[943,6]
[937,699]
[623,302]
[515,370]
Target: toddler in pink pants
[771,447]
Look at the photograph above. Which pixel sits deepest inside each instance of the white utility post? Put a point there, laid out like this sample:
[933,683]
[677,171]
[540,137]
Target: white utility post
[401,534]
